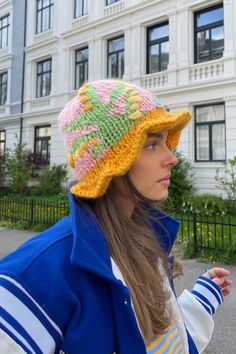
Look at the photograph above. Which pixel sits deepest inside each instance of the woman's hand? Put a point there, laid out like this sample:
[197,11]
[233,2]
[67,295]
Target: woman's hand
[218,276]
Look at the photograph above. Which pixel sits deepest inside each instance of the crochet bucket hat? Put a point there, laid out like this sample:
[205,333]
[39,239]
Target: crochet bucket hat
[105,127]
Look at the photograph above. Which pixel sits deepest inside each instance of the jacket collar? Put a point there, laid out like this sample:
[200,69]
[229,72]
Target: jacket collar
[90,250]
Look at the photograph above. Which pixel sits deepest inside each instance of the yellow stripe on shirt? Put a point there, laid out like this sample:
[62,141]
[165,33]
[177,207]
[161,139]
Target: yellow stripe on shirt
[168,343]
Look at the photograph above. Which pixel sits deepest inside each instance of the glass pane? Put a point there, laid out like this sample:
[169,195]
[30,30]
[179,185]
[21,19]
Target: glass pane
[2,145]
[209,17]
[46,65]
[154,58]
[203,46]
[39,22]
[82,55]
[44,149]
[164,55]
[85,7]
[4,78]
[203,142]
[4,93]
[79,8]
[39,4]
[158,32]
[2,135]
[46,84]
[45,20]
[79,75]
[43,131]
[86,71]
[121,60]
[5,21]
[4,37]
[46,3]
[38,147]
[210,113]
[218,142]
[217,42]
[109,2]
[39,86]
[112,66]
[116,44]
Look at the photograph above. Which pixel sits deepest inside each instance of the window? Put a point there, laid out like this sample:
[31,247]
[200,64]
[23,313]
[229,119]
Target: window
[209,34]
[44,15]
[2,142]
[109,2]
[81,8]
[210,133]
[4,30]
[81,67]
[3,88]
[44,72]
[116,60]
[42,143]
[157,48]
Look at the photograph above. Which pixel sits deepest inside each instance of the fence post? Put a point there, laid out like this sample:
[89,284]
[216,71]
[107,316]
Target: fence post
[195,234]
[31,212]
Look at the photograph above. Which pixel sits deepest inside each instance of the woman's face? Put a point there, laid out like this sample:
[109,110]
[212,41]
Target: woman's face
[152,171]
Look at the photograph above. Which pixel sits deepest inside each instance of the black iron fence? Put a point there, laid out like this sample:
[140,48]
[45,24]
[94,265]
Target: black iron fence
[32,211]
[216,232]
[206,232]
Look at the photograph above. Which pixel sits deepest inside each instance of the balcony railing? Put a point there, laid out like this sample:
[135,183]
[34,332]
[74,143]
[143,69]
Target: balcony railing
[43,36]
[80,22]
[206,71]
[114,8]
[157,80]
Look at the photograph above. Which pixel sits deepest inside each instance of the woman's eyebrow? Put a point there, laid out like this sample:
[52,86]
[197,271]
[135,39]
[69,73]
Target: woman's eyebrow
[155,135]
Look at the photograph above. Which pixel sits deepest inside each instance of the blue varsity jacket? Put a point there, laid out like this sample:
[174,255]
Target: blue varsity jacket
[68,293]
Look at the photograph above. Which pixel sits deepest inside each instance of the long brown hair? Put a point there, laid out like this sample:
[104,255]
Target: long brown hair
[140,258]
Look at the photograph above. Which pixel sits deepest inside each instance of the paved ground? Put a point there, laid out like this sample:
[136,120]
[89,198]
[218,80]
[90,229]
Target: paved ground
[224,337]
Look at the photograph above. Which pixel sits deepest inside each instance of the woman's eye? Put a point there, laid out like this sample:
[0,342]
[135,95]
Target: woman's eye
[151,146]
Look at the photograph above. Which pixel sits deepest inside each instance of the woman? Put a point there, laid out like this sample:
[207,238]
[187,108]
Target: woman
[99,280]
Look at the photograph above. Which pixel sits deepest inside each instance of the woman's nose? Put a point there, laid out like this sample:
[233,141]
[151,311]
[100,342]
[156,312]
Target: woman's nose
[171,159]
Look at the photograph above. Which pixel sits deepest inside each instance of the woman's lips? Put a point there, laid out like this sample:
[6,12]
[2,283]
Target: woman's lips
[165,181]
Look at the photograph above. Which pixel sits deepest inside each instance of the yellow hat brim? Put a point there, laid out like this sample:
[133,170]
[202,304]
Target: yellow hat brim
[126,151]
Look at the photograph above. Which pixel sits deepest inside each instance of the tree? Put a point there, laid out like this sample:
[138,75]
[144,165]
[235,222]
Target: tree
[18,168]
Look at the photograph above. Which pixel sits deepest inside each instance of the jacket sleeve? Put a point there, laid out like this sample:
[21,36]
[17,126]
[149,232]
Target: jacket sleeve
[25,327]
[197,309]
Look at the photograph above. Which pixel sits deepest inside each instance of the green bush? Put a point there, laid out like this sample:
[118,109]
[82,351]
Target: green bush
[226,181]
[206,204]
[18,168]
[2,170]
[181,187]
[51,181]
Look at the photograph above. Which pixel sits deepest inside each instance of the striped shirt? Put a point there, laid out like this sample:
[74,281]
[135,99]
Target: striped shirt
[170,342]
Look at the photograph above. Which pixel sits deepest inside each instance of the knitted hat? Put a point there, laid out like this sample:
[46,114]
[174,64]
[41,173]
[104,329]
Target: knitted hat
[105,127]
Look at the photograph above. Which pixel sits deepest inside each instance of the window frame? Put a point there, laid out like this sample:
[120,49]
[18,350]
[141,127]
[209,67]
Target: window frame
[1,85]
[41,74]
[51,4]
[205,28]
[83,11]
[4,142]
[210,125]
[117,57]
[44,138]
[79,62]
[2,28]
[154,42]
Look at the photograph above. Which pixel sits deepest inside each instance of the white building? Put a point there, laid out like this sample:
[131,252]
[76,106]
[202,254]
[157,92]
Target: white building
[184,51]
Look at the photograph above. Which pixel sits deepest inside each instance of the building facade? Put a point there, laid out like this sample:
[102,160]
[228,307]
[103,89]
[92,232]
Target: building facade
[183,51]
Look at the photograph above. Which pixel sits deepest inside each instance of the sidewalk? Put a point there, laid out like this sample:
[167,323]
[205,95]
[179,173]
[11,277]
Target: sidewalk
[223,339]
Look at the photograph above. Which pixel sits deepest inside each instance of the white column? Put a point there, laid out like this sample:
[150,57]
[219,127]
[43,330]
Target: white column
[230,37]
[172,66]
[128,54]
[137,54]
[183,49]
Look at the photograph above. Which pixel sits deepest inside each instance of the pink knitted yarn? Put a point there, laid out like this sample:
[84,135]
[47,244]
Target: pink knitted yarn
[103,90]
